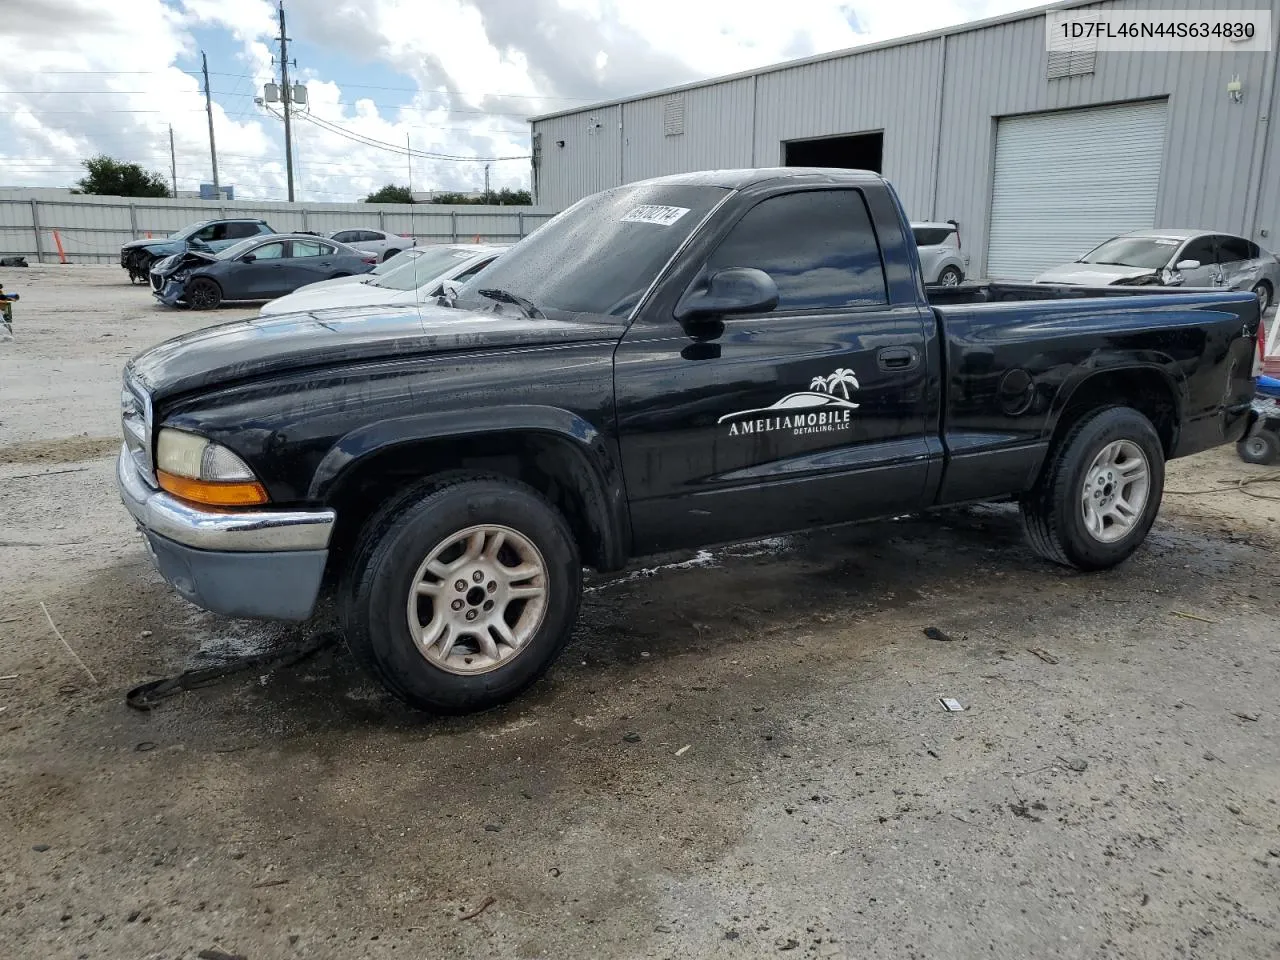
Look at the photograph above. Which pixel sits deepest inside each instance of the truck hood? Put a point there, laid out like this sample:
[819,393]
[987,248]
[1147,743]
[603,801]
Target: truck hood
[232,352]
[1092,274]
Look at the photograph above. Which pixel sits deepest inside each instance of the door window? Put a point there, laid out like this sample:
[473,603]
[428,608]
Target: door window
[268,251]
[818,246]
[346,236]
[1233,249]
[1199,249]
[369,235]
[238,231]
[472,271]
[310,248]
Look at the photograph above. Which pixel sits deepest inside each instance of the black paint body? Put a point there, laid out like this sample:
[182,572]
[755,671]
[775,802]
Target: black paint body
[954,403]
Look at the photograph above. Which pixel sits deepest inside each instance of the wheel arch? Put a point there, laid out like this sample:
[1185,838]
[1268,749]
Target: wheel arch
[1148,387]
[552,450]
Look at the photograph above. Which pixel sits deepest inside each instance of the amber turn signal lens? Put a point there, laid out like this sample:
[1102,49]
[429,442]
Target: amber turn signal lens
[212,494]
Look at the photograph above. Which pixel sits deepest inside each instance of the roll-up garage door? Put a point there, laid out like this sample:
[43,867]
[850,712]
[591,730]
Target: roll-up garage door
[1066,181]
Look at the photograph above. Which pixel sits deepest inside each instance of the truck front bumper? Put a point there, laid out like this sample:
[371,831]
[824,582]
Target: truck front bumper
[260,563]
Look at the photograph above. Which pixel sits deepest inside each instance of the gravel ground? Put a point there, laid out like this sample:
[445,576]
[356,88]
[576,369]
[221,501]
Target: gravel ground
[742,753]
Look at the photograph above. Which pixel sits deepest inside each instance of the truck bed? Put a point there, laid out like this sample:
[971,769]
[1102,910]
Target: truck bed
[994,291]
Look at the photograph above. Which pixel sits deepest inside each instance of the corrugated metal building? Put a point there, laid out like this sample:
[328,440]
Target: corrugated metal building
[1038,155]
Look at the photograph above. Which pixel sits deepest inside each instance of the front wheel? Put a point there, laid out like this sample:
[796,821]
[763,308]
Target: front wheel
[1263,292]
[1099,494]
[203,294]
[463,593]
[950,277]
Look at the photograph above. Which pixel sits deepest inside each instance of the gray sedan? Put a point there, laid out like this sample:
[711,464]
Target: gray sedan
[1192,258]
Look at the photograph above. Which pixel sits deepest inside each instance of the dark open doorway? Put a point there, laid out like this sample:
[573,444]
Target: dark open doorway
[859,151]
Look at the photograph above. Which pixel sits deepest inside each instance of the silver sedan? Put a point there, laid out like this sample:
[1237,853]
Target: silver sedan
[1192,258]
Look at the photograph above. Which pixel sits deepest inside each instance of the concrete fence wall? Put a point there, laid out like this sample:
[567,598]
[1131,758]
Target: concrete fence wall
[92,229]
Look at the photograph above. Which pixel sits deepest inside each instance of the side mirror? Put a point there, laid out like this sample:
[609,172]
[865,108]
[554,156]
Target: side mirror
[731,290]
[248,258]
[1187,264]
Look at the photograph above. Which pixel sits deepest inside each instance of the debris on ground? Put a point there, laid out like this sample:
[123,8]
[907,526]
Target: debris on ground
[1231,807]
[1044,655]
[1192,616]
[951,705]
[1075,764]
[219,955]
[935,633]
[683,750]
[1251,717]
[484,905]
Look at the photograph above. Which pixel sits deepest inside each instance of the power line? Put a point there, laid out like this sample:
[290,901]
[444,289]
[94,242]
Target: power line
[396,148]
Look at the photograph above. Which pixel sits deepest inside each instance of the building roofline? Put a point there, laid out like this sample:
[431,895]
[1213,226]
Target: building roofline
[1028,14]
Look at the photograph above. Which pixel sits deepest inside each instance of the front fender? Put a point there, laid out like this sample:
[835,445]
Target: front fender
[600,474]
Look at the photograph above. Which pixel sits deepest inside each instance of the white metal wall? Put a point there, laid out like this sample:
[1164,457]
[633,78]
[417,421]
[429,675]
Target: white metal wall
[1068,180]
[938,101]
[92,229]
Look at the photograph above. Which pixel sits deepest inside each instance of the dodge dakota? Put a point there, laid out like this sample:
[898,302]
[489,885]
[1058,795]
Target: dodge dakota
[673,363]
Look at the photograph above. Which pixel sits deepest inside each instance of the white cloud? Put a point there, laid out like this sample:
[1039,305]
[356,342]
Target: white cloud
[95,77]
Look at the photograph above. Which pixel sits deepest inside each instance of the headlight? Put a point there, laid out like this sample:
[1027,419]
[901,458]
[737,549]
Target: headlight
[199,470]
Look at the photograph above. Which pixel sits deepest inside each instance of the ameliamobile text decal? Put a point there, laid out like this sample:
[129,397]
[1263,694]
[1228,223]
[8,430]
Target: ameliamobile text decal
[824,408]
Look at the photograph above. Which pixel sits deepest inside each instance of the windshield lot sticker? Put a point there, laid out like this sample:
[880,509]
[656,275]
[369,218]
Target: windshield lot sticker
[663,216]
[824,408]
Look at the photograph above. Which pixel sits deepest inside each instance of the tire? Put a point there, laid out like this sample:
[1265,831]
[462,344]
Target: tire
[389,254]
[1054,513]
[1262,447]
[950,277]
[1265,296]
[379,593]
[203,294]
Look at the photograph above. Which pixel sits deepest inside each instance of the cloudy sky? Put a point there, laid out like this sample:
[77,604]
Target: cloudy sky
[459,78]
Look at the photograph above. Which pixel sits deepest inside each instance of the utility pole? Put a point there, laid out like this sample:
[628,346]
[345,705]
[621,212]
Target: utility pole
[173,162]
[286,98]
[408,153]
[486,181]
[208,106]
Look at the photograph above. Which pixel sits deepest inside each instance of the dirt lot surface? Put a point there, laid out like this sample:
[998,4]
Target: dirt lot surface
[742,753]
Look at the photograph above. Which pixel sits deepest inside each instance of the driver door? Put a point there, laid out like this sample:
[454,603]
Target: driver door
[262,277]
[1205,275]
[812,413]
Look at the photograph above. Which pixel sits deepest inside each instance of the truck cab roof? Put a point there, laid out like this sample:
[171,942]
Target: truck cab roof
[742,178]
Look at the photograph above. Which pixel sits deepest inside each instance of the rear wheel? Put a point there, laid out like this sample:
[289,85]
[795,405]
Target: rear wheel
[463,593]
[950,277]
[389,254]
[203,294]
[1099,493]
[1262,448]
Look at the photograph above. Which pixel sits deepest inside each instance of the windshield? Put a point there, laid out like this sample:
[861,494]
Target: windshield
[396,262]
[422,269]
[1146,252]
[599,256]
[930,236]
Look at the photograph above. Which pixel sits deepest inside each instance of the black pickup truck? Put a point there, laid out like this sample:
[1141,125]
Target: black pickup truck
[678,362]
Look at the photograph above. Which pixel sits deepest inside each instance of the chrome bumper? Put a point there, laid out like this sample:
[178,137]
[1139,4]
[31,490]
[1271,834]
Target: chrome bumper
[257,531]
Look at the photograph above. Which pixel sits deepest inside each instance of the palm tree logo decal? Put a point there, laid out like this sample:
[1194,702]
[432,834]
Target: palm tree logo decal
[833,390]
[841,380]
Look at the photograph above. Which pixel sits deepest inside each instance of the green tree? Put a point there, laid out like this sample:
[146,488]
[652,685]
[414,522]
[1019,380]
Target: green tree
[504,197]
[108,177]
[390,194]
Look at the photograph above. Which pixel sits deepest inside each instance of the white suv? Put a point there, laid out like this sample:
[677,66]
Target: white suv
[941,259]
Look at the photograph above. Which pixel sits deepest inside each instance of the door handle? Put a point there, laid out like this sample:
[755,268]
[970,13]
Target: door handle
[897,358]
